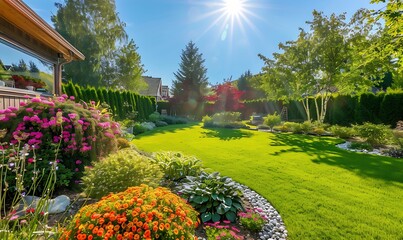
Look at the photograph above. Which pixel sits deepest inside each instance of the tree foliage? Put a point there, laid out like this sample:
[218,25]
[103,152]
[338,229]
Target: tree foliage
[331,57]
[32,67]
[226,98]
[95,29]
[190,84]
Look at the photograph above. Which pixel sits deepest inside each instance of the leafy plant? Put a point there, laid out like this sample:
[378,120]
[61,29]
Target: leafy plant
[119,171]
[207,121]
[213,196]
[252,220]
[137,213]
[342,132]
[272,120]
[222,231]
[154,117]
[361,146]
[226,117]
[374,134]
[173,120]
[138,129]
[177,166]
[161,124]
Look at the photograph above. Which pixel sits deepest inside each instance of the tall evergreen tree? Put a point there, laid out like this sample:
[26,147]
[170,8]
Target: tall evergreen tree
[190,85]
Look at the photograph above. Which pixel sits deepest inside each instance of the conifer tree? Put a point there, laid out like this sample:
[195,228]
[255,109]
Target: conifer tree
[190,85]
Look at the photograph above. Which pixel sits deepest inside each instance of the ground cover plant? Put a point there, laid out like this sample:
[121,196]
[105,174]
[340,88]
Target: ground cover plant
[321,191]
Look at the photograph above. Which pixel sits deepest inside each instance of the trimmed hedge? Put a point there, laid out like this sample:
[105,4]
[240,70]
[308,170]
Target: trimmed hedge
[386,108]
[121,103]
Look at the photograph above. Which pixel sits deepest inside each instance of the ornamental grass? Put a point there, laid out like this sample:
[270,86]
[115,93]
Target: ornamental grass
[139,212]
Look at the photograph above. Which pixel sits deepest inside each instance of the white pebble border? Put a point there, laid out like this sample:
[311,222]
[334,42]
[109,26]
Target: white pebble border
[274,229]
[346,146]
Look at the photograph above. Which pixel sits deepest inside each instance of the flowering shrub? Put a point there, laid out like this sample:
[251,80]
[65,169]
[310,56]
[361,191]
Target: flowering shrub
[137,213]
[84,132]
[118,171]
[252,220]
[222,231]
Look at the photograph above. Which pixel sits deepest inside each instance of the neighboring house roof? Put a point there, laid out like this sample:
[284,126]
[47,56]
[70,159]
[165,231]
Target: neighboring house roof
[153,87]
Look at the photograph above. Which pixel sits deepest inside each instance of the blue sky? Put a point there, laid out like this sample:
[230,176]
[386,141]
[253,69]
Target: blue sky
[162,28]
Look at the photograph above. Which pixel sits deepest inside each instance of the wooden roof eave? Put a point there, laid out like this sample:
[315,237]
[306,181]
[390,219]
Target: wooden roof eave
[23,28]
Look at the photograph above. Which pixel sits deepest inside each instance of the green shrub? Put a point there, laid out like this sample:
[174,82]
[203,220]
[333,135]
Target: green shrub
[292,127]
[213,196]
[137,213]
[154,117]
[177,166]
[161,124]
[226,117]
[307,127]
[318,131]
[173,120]
[342,132]
[119,171]
[207,121]
[272,120]
[374,134]
[361,146]
[138,129]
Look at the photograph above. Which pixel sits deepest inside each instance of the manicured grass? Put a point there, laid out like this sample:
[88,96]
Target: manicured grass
[321,191]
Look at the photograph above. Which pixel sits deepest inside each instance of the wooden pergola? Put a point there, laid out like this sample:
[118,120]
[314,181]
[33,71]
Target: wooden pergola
[23,29]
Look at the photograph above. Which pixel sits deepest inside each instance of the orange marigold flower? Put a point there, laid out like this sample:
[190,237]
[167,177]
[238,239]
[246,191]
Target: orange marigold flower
[136,236]
[167,225]
[91,226]
[176,231]
[116,228]
[90,237]
[143,215]
[119,237]
[101,221]
[95,216]
[139,223]
[134,228]
[147,234]
[161,227]
[155,228]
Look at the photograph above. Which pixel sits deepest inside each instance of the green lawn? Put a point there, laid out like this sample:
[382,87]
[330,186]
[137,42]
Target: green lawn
[321,191]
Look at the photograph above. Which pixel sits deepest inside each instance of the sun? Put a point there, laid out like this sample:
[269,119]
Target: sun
[234,7]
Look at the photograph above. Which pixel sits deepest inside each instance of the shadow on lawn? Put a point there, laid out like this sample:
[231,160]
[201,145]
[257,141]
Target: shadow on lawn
[225,134]
[167,129]
[325,152]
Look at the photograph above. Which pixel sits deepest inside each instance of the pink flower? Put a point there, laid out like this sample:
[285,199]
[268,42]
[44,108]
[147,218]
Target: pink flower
[64,96]
[4,119]
[72,98]
[13,109]
[27,96]
[72,115]
[78,162]
[26,119]
[36,100]
[77,170]
[31,160]
[22,104]
[29,109]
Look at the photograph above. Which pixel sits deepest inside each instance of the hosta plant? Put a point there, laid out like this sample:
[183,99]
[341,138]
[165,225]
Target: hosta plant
[176,166]
[215,197]
[120,170]
[138,213]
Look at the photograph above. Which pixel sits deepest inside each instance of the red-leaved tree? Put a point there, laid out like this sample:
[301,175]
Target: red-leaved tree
[226,98]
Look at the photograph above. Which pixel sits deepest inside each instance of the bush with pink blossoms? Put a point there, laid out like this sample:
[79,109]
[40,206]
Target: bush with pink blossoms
[84,132]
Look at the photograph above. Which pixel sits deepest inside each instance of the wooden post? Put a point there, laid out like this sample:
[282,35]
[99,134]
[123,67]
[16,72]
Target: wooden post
[57,72]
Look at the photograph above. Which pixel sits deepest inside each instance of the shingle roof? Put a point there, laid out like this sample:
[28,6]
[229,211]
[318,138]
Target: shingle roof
[154,87]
